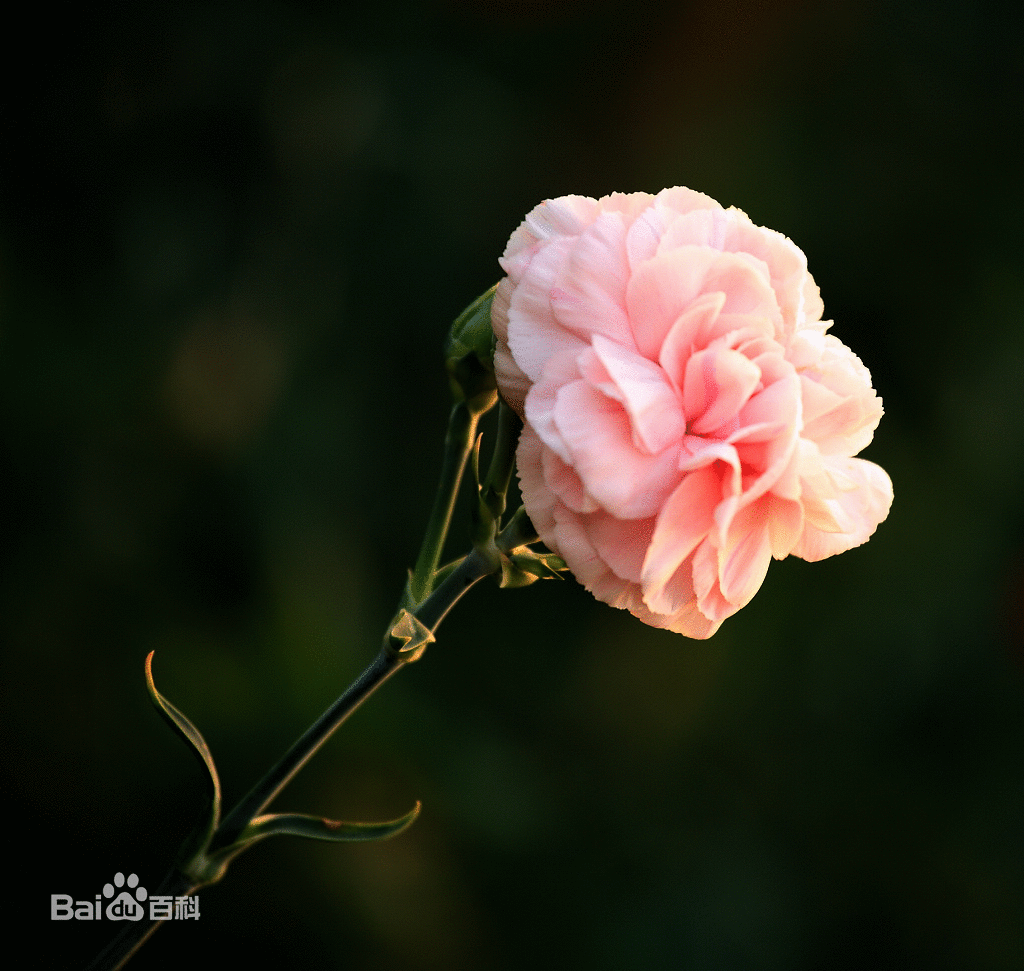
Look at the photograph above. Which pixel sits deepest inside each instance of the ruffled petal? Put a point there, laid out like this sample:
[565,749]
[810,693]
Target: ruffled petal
[565,483]
[718,384]
[538,498]
[588,295]
[663,288]
[534,334]
[685,519]
[551,219]
[625,481]
[539,407]
[861,500]
[650,401]
[688,333]
[513,382]
[744,558]
[621,543]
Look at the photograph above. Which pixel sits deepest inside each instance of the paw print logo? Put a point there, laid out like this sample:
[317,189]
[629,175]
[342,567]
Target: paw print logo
[124,906]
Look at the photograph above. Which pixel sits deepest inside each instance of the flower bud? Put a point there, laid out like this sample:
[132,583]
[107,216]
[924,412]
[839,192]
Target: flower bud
[469,356]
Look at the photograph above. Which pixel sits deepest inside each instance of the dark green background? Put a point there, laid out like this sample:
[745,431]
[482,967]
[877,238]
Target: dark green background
[232,237]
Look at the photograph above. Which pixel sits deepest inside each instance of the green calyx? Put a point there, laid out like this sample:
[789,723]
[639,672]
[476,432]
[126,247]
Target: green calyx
[520,568]
[469,355]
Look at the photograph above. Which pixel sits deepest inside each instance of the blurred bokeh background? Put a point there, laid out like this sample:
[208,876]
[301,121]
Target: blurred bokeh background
[232,237]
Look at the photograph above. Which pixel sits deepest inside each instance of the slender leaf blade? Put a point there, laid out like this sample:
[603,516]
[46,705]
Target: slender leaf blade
[329,830]
[191,735]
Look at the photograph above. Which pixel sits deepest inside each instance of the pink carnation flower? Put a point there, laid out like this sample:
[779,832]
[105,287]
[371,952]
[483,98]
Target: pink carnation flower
[686,415]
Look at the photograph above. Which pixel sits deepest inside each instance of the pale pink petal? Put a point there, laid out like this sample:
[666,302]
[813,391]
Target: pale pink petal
[689,622]
[538,499]
[499,310]
[785,524]
[848,427]
[744,558]
[746,284]
[588,296]
[651,403]
[554,218]
[765,457]
[818,487]
[862,505]
[539,407]
[607,587]
[787,484]
[570,539]
[565,483]
[811,307]
[844,409]
[513,382]
[738,329]
[643,236]
[818,399]
[629,204]
[684,520]
[706,586]
[768,356]
[694,228]
[805,348]
[718,385]
[687,334]
[596,431]
[786,262]
[521,250]
[621,543]
[698,453]
[776,405]
[534,335]
[686,619]
[663,288]
[679,199]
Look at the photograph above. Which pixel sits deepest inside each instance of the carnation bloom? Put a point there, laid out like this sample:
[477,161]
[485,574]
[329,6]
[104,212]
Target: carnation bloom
[686,415]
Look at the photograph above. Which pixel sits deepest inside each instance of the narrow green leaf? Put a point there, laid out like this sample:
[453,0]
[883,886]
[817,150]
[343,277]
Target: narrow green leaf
[195,741]
[317,828]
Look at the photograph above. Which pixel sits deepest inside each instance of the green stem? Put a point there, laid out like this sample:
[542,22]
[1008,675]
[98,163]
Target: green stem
[503,461]
[467,572]
[428,605]
[387,663]
[518,531]
[457,448]
[384,665]
[134,934]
